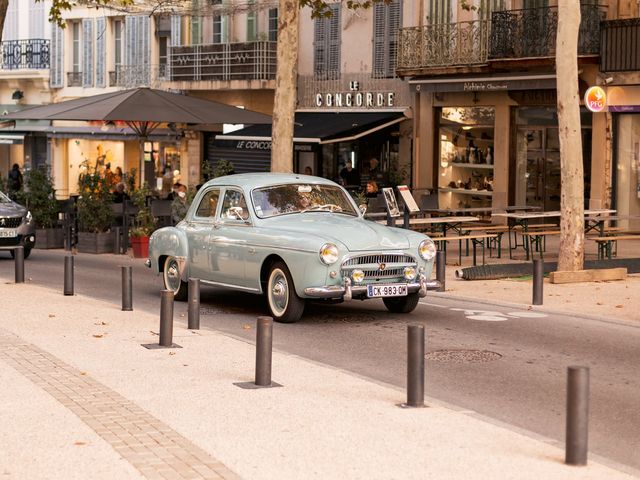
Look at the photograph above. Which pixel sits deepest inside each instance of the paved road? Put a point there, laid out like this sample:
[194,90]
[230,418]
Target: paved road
[507,364]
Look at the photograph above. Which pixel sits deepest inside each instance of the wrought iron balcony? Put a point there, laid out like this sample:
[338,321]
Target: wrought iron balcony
[223,61]
[25,54]
[443,45]
[531,33]
[620,50]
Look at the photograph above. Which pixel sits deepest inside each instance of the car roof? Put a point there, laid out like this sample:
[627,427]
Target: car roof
[256,180]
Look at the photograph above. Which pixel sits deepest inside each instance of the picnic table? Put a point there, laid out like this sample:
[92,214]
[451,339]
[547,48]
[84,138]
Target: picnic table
[598,216]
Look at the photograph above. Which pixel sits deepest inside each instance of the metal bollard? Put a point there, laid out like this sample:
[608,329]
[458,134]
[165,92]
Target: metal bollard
[127,288]
[441,268]
[538,281]
[18,257]
[117,240]
[193,318]
[68,275]
[415,366]
[166,318]
[264,342]
[577,434]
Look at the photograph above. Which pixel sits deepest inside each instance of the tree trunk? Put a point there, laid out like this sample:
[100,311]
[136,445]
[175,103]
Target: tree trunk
[571,256]
[4,4]
[284,103]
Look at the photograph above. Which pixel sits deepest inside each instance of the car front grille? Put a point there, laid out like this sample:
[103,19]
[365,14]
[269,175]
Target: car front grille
[378,266]
[10,222]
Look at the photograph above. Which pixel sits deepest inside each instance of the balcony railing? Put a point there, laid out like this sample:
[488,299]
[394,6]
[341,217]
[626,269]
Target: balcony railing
[531,33]
[25,54]
[74,79]
[132,76]
[510,34]
[443,45]
[620,50]
[223,61]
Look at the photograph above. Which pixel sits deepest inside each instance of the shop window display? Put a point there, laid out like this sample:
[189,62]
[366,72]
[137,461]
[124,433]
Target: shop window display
[465,177]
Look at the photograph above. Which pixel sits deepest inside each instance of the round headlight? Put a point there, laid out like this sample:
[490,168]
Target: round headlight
[357,276]
[427,249]
[328,253]
[409,273]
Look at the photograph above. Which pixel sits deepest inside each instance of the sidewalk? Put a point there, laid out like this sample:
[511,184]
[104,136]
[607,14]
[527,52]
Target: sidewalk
[83,399]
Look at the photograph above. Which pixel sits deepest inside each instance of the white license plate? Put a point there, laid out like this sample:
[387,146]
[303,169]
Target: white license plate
[8,233]
[391,290]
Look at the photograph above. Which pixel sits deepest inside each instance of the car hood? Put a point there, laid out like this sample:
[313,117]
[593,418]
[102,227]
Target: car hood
[11,210]
[354,233]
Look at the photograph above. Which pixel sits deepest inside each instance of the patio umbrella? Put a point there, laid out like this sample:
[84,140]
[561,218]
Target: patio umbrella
[142,109]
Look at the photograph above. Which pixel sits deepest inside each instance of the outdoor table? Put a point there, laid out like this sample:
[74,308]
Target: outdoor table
[598,221]
[522,219]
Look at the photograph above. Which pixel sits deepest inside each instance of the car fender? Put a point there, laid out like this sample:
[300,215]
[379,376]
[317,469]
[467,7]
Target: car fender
[169,241]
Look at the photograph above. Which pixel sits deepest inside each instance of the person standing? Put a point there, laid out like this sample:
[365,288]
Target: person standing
[14,184]
[350,176]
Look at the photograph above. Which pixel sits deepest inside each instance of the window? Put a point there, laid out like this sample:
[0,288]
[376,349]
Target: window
[163,55]
[88,52]
[220,29]
[11,30]
[252,23]
[196,25]
[234,207]
[117,43]
[439,12]
[327,45]
[36,19]
[208,204]
[75,35]
[273,24]
[386,22]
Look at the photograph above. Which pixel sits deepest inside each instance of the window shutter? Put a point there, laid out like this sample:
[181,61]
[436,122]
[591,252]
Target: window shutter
[87,52]
[334,42]
[137,55]
[273,24]
[101,33]
[176,30]
[56,70]
[319,47]
[11,27]
[394,10]
[327,45]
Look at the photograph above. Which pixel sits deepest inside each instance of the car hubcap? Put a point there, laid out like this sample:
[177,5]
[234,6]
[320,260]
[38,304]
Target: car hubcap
[172,276]
[278,293]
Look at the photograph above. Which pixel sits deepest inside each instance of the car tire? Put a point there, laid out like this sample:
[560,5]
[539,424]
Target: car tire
[402,304]
[172,280]
[284,304]
[26,251]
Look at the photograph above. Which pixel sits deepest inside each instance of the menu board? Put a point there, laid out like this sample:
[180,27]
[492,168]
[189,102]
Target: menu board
[408,199]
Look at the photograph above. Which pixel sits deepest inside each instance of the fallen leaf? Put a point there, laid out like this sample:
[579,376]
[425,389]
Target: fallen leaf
[619,306]
[599,303]
[101,323]
[185,365]
[97,335]
[83,373]
[79,443]
[51,315]
[153,333]
[246,326]
[172,353]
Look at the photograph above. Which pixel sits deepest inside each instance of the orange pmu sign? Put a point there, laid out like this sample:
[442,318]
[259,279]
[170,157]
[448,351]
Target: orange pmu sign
[595,99]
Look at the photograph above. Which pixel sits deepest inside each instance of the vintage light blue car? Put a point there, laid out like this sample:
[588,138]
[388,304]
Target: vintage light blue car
[294,238]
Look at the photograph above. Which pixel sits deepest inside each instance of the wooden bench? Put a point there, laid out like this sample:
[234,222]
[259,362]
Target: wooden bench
[499,230]
[481,239]
[606,244]
[538,239]
[520,229]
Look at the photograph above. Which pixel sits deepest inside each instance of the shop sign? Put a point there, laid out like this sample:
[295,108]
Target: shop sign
[356,99]
[595,99]
[266,145]
[484,86]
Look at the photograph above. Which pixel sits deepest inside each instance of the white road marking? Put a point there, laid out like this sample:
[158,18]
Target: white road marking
[432,305]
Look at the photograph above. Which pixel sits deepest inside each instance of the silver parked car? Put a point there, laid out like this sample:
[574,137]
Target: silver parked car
[16,226]
[293,238]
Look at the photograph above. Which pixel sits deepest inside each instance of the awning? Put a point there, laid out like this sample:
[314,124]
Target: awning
[485,83]
[323,127]
[91,133]
[11,138]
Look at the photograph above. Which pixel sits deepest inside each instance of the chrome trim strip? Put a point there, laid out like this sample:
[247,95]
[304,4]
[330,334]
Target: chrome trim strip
[336,291]
[228,285]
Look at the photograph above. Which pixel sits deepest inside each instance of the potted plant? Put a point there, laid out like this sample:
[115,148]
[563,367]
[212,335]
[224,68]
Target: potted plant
[95,213]
[40,198]
[144,222]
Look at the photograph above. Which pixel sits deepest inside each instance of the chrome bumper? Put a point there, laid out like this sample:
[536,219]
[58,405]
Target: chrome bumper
[347,290]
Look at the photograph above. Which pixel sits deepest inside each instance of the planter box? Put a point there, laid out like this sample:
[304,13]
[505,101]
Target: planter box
[140,247]
[95,242]
[49,238]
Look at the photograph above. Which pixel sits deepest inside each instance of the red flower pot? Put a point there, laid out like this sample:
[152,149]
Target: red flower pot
[140,246]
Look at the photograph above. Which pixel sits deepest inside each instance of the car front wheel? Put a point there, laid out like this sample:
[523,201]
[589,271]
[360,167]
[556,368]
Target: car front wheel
[172,280]
[284,304]
[402,304]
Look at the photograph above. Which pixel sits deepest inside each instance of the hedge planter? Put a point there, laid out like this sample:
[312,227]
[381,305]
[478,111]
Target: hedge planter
[49,238]
[140,247]
[95,242]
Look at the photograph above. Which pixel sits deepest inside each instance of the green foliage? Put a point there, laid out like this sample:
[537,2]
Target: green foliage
[94,205]
[39,197]
[398,176]
[360,197]
[145,222]
[223,167]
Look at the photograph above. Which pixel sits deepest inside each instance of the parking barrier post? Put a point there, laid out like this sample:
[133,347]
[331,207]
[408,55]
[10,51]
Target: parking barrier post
[117,241]
[18,258]
[441,268]
[538,281]
[166,318]
[577,435]
[264,347]
[68,275]
[193,318]
[127,288]
[415,366]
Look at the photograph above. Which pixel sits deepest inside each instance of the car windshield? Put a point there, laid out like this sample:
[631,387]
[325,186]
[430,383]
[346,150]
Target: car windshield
[301,198]
[4,198]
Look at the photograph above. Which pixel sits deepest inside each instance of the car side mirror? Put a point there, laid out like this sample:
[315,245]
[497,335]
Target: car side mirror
[363,208]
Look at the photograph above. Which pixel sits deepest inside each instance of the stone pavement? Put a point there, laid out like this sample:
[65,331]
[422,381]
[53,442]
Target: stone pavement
[82,398]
